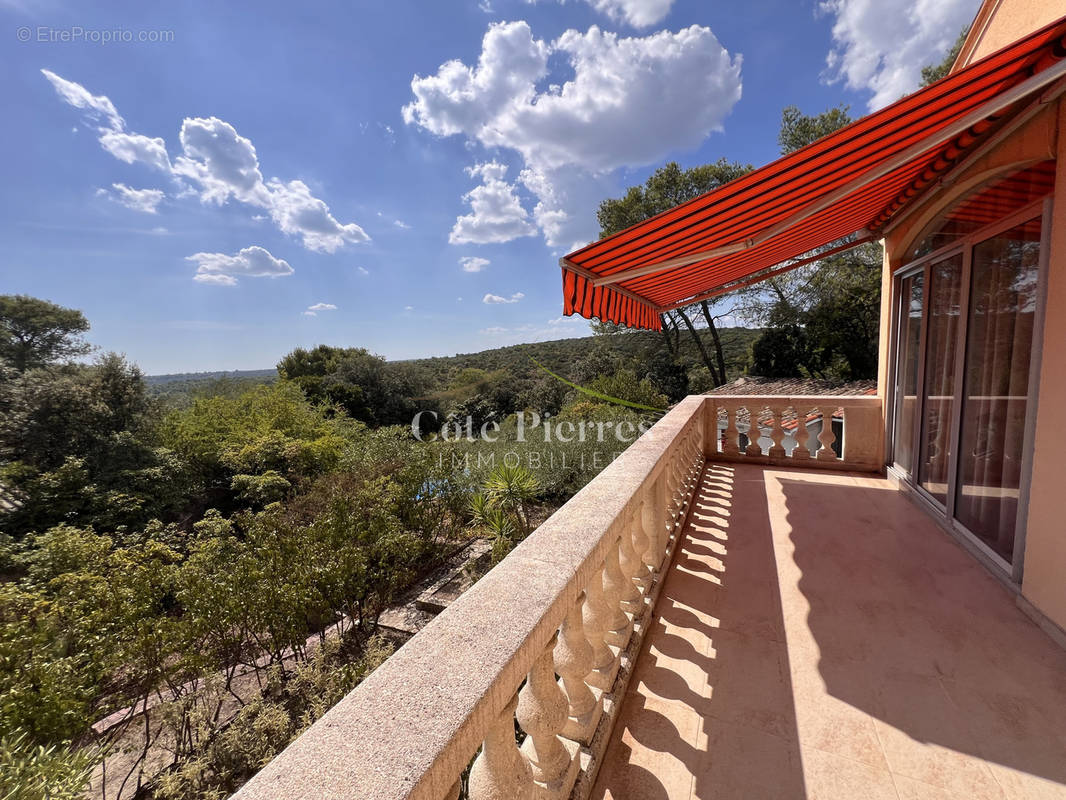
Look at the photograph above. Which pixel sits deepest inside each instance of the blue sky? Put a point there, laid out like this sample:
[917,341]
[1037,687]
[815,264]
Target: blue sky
[215,185]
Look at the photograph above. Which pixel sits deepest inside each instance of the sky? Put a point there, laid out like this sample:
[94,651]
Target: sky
[216,183]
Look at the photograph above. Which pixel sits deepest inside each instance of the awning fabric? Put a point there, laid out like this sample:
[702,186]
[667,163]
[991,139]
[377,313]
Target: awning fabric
[852,181]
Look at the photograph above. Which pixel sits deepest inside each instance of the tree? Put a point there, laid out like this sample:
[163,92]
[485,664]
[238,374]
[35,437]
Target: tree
[799,129]
[667,187]
[931,73]
[35,333]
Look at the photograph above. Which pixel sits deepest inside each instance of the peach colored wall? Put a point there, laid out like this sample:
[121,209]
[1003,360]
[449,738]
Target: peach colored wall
[1044,581]
[1001,22]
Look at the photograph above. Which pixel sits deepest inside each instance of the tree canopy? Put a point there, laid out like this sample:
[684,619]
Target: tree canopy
[35,333]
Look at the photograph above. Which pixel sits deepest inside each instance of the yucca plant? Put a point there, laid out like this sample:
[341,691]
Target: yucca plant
[512,489]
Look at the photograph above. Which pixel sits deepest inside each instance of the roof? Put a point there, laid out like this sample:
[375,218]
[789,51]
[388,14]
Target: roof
[795,387]
[838,191]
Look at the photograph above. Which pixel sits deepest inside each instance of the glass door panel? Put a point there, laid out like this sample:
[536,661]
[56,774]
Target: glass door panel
[945,314]
[999,337]
[910,337]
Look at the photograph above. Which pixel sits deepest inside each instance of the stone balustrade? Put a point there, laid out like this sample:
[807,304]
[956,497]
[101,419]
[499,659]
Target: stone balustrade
[778,430]
[524,673]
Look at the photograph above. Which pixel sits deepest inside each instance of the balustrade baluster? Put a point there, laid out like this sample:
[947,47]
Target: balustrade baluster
[632,566]
[597,619]
[500,771]
[619,627]
[642,573]
[827,437]
[753,448]
[573,661]
[654,524]
[731,440]
[778,432]
[803,435]
[542,713]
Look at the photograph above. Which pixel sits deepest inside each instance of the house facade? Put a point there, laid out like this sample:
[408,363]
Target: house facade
[973,328]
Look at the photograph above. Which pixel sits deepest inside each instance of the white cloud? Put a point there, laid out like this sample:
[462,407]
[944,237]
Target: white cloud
[473,263]
[322,307]
[882,45]
[493,299]
[408,308]
[134,147]
[403,226]
[638,13]
[215,278]
[218,164]
[251,262]
[496,212]
[560,328]
[98,108]
[362,270]
[629,102]
[146,200]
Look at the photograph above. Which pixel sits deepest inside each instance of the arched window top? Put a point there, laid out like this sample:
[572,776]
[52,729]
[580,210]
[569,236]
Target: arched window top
[985,205]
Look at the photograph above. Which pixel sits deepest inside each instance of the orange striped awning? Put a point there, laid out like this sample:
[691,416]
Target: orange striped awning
[845,187]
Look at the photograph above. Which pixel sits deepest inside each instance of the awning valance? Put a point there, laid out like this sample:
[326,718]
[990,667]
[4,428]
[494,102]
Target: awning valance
[845,187]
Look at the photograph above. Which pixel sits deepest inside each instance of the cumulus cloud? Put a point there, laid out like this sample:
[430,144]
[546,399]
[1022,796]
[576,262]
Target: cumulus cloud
[473,263]
[216,164]
[362,270]
[881,45]
[494,299]
[496,214]
[629,102]
[403,226]
[251,262]
[322,307]
[146,200]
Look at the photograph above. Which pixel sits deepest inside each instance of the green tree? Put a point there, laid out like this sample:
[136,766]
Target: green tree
[931,73]
[35,333]
[799,129]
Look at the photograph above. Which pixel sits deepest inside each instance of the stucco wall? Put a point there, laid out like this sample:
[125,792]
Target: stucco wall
[1000,23]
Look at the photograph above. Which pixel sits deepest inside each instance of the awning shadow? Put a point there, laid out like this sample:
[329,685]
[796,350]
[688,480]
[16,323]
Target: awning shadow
[911,630]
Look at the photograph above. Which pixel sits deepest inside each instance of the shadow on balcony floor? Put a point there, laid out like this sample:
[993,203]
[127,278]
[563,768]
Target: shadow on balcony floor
[819,636]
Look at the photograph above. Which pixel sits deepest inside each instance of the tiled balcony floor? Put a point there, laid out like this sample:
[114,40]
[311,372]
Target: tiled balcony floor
[818,636]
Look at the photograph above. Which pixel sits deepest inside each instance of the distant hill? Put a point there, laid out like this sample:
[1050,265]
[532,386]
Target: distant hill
[559,354]
[188,377]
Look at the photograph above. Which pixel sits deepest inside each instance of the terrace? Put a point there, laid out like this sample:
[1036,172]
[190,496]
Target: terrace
[702,622]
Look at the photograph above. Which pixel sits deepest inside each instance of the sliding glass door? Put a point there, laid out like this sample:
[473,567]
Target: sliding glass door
[938,399]
[999,339]
[967,319]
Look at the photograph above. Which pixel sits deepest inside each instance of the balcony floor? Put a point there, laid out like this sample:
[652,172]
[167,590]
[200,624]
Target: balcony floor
[818,636]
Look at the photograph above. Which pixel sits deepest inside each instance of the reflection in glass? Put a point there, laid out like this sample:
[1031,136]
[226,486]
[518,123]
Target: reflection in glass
[907,368]
[941,342]
[999,337]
